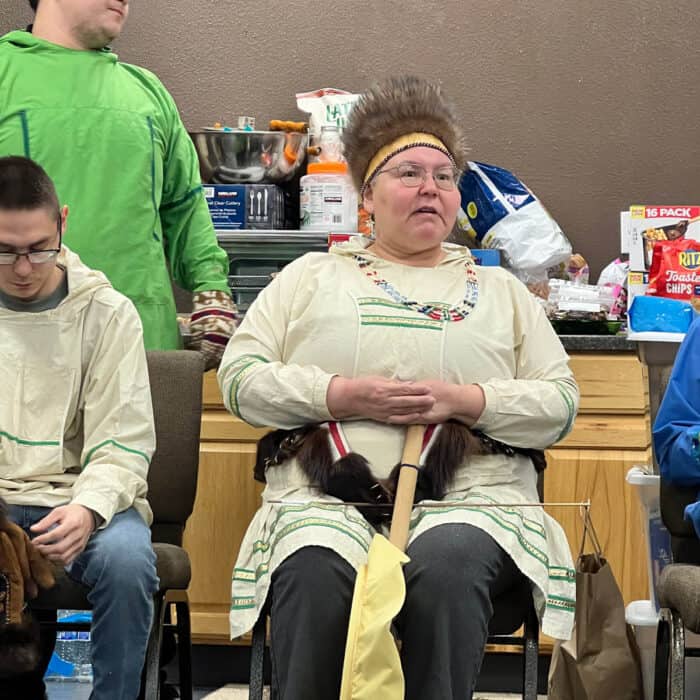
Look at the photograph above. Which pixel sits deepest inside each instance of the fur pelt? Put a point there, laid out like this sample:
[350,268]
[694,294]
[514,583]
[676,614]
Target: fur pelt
[19,632]
[350,478]
[392,109]
[20,648]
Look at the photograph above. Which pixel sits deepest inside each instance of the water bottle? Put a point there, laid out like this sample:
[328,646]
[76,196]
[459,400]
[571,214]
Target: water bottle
[71,658]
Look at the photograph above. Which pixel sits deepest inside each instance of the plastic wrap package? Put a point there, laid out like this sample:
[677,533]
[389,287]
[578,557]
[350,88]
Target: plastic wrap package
[326,107]
[581,309]
[503,213]
[584,301]
[660,315]
[614,273]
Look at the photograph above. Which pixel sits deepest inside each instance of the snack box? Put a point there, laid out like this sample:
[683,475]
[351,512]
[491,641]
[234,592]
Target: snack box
[650,223]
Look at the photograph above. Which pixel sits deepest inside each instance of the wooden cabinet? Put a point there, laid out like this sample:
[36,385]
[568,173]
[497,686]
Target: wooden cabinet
[610,435]
[227,498]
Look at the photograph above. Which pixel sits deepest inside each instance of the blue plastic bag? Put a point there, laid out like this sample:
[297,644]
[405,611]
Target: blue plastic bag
[503,213]
[660,314]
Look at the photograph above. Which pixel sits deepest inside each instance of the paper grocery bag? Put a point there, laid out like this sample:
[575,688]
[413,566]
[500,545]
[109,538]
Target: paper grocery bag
[601,660]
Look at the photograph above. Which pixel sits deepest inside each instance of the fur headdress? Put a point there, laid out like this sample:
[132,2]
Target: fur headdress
[395,115]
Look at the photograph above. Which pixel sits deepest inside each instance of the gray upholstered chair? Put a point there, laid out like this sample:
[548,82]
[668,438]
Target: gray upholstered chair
[678,591]
[176,389]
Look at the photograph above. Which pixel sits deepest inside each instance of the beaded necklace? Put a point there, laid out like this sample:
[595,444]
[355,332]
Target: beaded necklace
[440,313]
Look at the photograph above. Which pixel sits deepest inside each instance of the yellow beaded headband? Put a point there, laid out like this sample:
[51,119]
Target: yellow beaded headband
[401,144]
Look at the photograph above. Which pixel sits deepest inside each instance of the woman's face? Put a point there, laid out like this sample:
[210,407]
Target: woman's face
[407,219]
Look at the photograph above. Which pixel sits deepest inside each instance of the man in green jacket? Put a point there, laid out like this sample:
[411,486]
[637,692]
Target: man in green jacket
[109,135]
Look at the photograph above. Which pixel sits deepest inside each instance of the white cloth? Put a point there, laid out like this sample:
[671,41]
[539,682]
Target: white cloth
[76,421]
[321,316]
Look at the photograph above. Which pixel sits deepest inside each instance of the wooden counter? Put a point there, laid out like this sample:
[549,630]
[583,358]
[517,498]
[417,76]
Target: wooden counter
[610,435]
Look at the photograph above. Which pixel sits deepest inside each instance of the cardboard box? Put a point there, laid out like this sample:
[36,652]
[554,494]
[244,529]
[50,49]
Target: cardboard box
[650,223]
[226,205]
[246,206]
[487,257]
[637,283]
[624,232]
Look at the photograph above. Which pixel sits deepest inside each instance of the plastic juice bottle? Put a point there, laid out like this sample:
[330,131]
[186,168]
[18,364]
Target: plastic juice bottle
[328,200]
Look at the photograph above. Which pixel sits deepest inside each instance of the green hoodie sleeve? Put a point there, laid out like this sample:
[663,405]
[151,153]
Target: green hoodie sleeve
[196,260]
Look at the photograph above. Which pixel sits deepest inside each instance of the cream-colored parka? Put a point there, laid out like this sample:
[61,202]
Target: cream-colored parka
[76,421]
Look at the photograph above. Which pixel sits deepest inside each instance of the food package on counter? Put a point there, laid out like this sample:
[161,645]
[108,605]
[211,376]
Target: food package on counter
[580,301]
[326,107]
[649,224]
[505,214]
[675,270]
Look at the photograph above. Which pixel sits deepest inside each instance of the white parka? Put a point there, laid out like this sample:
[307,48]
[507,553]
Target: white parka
[321,316]
[76,421]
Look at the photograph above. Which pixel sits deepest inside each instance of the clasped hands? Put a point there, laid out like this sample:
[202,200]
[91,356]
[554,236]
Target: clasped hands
[404,402]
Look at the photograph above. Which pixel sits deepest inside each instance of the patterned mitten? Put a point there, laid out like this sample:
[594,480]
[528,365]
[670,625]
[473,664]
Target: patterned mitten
[212,323]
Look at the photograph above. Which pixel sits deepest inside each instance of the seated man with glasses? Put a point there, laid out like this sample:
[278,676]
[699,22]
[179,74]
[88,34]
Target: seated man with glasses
[76,427]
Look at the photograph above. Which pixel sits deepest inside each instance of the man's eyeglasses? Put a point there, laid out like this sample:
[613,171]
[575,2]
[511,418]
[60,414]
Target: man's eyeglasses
[36,257]
[414,175]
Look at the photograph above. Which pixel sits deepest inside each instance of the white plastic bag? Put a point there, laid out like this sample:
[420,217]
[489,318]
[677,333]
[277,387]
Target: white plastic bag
[326,107]
[505,214]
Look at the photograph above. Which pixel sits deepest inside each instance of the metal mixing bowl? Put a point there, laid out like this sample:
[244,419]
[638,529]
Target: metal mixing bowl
[230,157]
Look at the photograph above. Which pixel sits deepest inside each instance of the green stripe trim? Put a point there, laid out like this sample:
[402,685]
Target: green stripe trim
[25,132]
[561,573]
[569,407]
[265,546]
[182,200]
[30,443]
[527,547]
[402,321]
[380,301]
[119,446]
[528,523]
[560,603]
[376,301]
[248,363]
[570,611]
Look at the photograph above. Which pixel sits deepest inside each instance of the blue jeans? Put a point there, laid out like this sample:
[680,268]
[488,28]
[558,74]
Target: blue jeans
[119,566]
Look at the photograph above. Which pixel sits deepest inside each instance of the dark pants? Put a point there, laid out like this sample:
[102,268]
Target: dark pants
[454,573]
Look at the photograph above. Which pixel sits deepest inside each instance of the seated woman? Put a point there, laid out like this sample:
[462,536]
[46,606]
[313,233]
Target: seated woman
[375,335]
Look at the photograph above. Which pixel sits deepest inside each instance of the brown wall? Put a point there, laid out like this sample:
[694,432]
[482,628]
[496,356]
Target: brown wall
[593,103]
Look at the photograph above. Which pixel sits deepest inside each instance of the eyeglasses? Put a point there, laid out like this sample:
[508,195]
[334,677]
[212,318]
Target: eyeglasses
[414,175]
[36,257]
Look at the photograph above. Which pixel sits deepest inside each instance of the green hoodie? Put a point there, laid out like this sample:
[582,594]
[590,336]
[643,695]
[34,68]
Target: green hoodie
[110,137]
